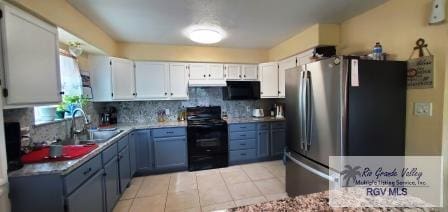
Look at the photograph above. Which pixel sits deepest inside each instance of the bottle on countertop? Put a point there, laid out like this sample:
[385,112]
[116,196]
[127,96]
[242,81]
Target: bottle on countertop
[272,111]
[377,51]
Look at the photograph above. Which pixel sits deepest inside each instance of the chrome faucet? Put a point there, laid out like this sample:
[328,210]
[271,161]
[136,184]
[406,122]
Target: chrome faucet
[73,129]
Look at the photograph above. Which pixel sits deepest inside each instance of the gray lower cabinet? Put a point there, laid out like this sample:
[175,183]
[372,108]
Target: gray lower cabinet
[170,152]
[242,142]
[111,183]
[132,154]
[143,150]
[88,197]
[278,137]
[124,168]
[263,144]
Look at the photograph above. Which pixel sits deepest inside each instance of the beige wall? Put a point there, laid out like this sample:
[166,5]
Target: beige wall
[397,24]
[318,34]
[62,14]
[145,51]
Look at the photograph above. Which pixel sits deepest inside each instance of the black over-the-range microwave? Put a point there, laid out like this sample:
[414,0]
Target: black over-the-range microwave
[241,90]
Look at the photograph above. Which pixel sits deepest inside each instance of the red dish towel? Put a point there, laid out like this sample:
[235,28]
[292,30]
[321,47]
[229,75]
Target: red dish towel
[69,152]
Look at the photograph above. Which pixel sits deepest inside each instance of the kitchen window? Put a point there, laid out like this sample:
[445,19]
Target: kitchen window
[71,84]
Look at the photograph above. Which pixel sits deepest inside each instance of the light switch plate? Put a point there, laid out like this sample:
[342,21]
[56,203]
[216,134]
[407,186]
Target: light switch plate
[423,109]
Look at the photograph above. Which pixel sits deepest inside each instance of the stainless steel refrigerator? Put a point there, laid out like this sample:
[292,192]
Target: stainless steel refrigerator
[341,106]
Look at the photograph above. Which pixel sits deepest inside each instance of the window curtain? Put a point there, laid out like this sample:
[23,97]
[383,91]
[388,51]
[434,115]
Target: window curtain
[70,76]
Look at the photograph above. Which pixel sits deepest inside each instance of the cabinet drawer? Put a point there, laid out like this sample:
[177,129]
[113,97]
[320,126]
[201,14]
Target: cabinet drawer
[123,142]
[242,155]
[263,126]
[278,125]
[109,153]
[169,132]
[242,144]
[242,135]
[81,174]
[241,127]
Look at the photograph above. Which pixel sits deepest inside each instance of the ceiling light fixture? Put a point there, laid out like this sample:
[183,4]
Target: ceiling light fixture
[205,36]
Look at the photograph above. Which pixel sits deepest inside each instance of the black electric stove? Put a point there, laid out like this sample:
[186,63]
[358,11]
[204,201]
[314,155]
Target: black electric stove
[207,138]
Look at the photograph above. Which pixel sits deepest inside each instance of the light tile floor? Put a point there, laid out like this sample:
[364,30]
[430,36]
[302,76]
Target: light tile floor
[206,190]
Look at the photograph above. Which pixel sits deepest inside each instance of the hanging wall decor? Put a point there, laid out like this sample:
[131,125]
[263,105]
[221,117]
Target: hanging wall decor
[421,69]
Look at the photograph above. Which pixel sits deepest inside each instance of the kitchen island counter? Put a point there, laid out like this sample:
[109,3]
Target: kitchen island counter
[312,202]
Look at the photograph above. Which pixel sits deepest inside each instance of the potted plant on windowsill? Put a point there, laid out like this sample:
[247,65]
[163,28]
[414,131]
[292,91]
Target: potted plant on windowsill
[73,102]
[69,104]
[60,110]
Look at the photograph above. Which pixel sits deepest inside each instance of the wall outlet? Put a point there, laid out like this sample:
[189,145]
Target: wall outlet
[423,109]
[167,112]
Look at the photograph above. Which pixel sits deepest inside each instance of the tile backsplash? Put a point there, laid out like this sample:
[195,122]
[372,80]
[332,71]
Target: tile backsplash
[138,111]
[48,131]
[145,111]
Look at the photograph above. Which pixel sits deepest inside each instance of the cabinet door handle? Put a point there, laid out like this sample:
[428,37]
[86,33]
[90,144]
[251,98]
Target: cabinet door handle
[205,75]
[87,171]
[61,93]
[244,76]
[239,76]
[209,75]
[172,94]
[166,93]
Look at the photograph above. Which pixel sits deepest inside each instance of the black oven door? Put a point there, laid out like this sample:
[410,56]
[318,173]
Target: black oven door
[207,146]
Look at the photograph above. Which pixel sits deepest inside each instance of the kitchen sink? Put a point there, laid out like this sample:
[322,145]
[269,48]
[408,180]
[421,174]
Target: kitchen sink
[93,136]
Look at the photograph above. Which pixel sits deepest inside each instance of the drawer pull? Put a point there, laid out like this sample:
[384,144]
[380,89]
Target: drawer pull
[242,127]
[169,132]
[87,171]
[243,144]
[242,135]
[243,154]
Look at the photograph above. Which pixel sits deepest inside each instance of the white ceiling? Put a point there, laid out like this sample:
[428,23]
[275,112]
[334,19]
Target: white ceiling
[248,23]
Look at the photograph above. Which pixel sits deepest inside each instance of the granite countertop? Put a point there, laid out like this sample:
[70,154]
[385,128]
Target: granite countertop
[65,167]
[313,202]
[253,119]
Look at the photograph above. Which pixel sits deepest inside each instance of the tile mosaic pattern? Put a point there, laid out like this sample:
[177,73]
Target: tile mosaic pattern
[145,111]
[208,190]
[50,131]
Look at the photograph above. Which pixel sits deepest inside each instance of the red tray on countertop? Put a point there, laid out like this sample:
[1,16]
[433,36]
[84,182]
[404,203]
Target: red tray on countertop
[69,152]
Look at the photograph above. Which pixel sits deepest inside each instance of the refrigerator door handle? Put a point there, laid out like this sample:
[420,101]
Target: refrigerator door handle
[312,170]
[308,110]
[302,111]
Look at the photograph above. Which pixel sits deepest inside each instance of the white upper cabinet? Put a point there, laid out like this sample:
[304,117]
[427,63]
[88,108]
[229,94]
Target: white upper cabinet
[123,79]
[30,59]
[215,71]
[232,71]
[241,72]
[178,81]
[269,80]
[100,77]
[151,80]
[284,65]
[198,71]
[250,72]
